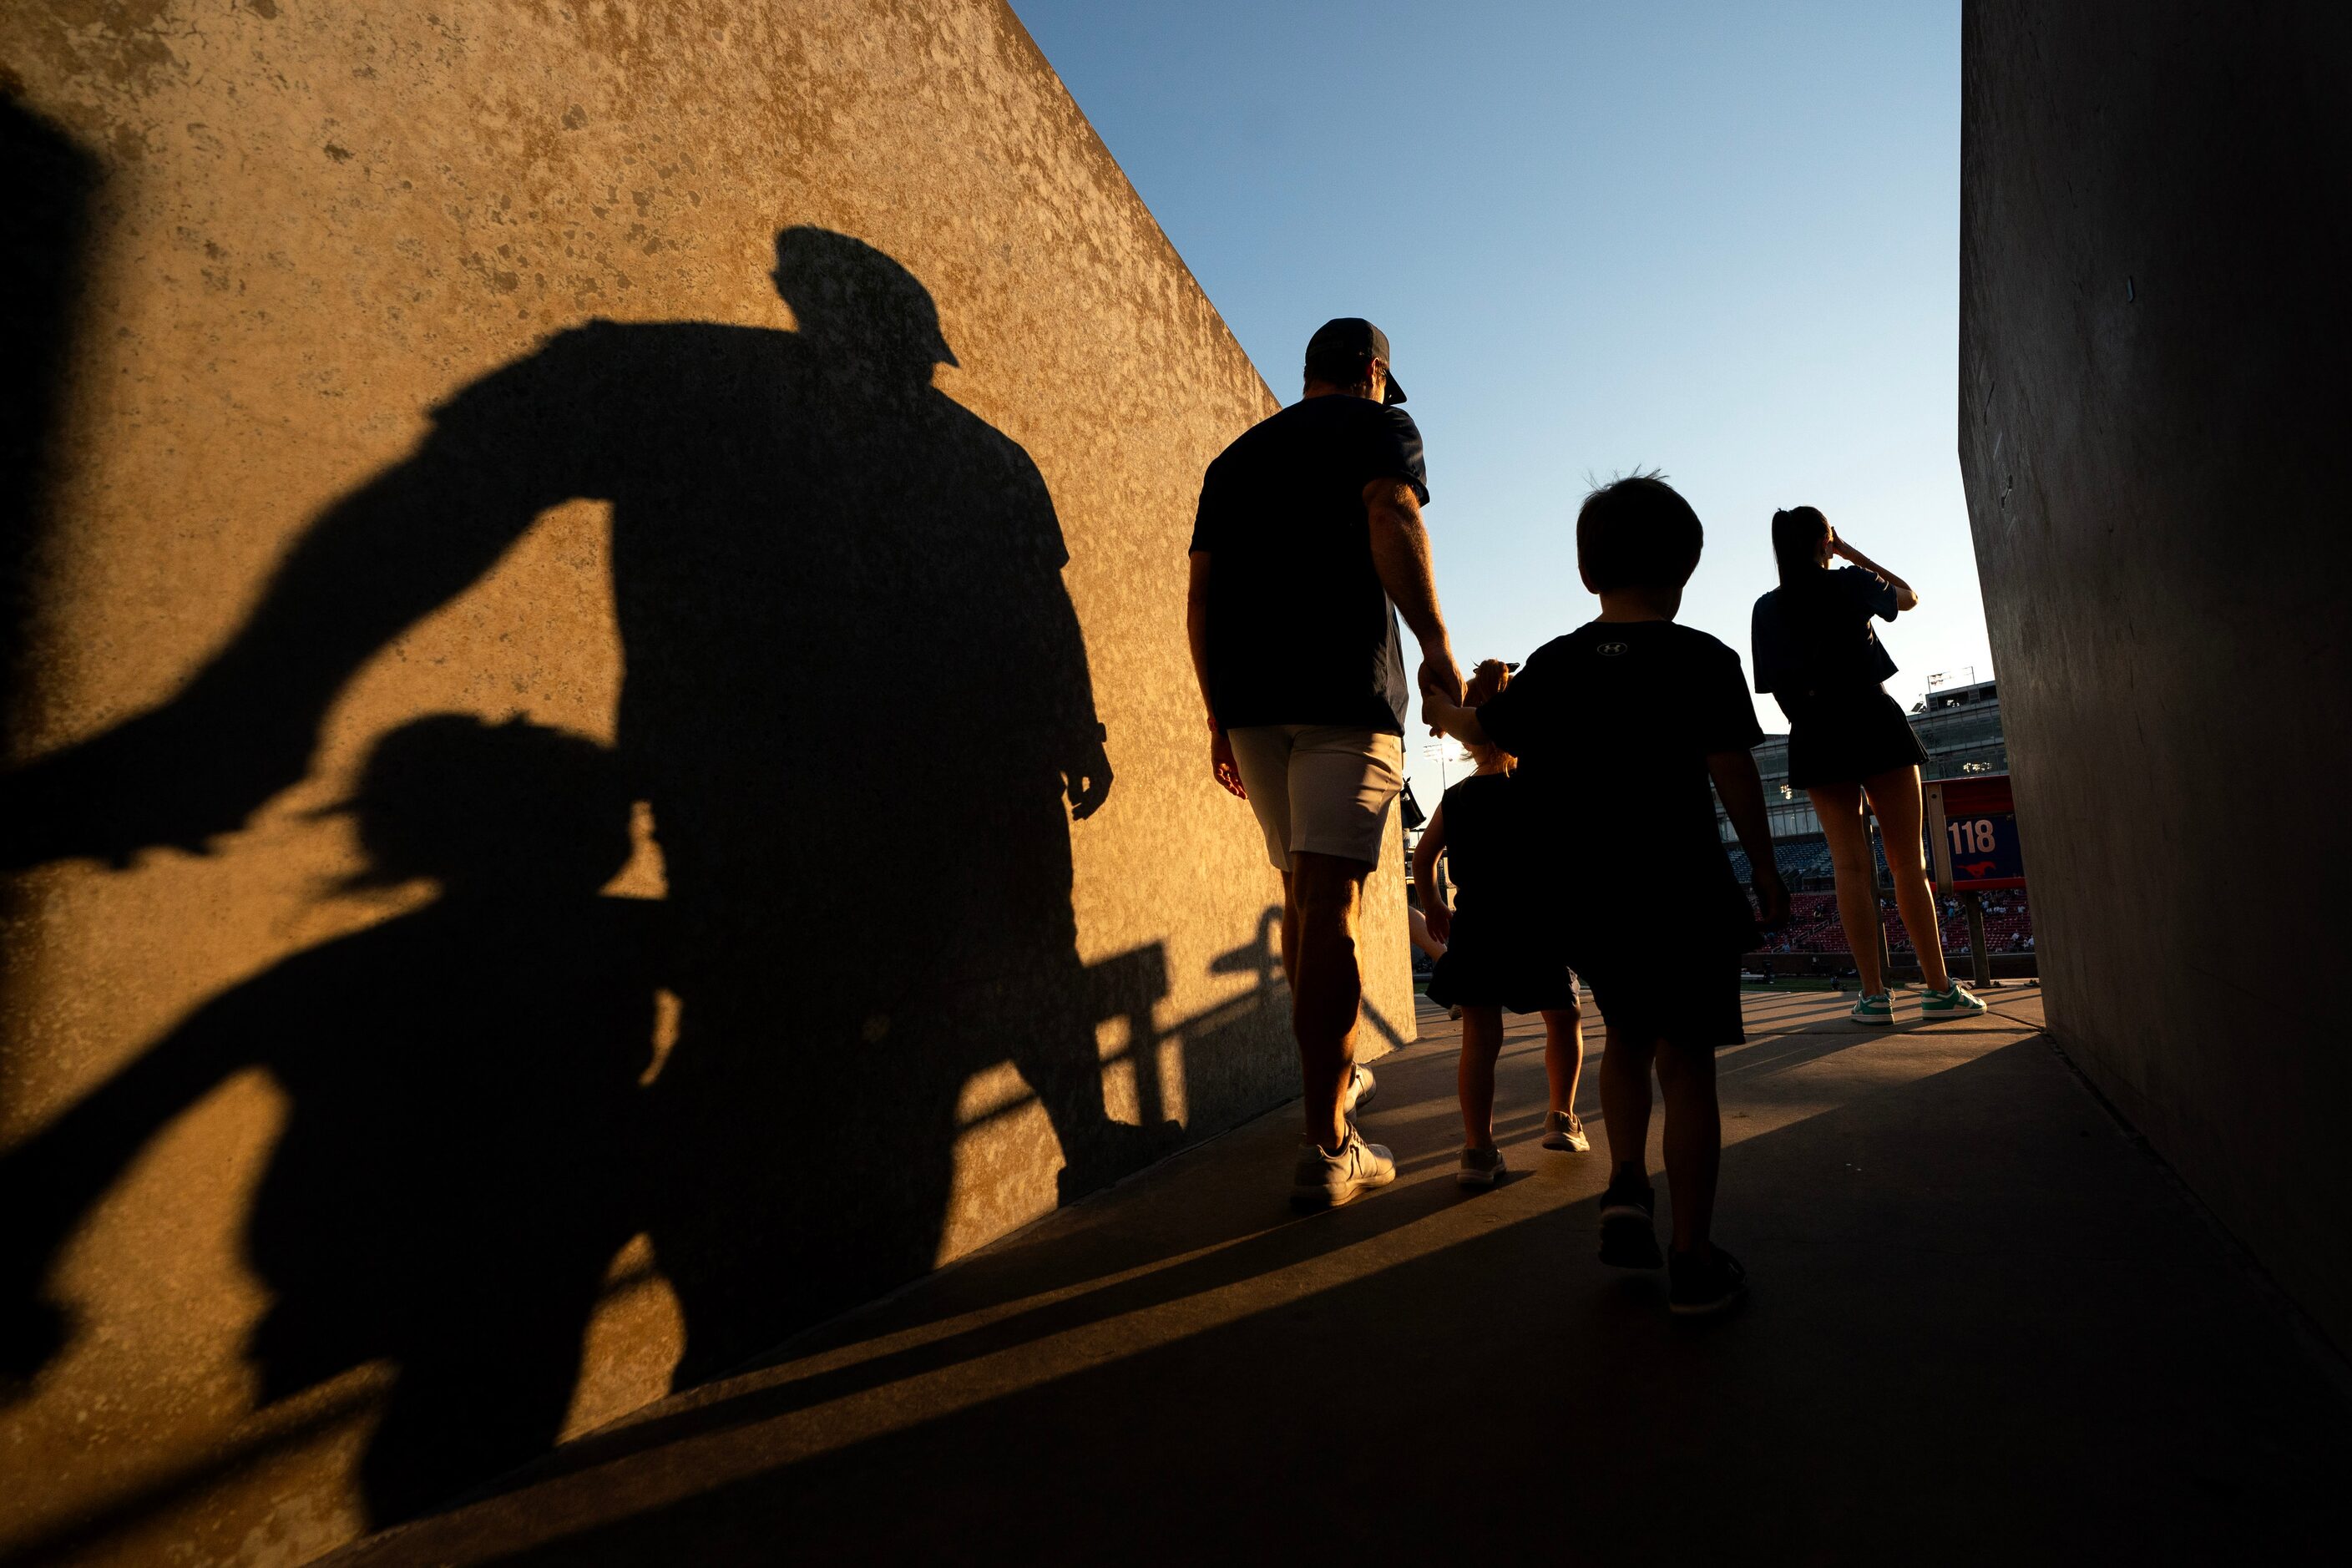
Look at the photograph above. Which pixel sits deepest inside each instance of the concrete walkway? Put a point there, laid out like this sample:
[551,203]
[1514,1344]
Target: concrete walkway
[1984,1326]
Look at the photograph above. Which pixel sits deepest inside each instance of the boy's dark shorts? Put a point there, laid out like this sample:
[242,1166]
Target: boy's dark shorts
[1693,1003]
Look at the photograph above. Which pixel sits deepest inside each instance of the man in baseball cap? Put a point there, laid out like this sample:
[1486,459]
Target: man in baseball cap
[1341,351]
[1307,546]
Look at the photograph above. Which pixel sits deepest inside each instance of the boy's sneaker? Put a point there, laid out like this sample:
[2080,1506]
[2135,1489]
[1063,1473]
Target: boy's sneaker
[1325,1181]
[1361,1087]
[1696,1286]
[1875,1007]
[1479,1168]
[1628,1232]
[1565,1132]
[1957,1002]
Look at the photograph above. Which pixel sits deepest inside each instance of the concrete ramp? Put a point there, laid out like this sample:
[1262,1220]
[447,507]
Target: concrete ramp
[1983,1325]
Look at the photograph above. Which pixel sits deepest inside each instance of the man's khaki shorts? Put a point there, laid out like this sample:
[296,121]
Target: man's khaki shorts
[1320,789]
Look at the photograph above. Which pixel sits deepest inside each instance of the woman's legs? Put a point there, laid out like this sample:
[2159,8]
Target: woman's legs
[1895,796]
[1563,1055]
[1481,1041]
[1840,808]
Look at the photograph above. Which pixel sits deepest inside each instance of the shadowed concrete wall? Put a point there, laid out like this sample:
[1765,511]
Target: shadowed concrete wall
[2156,206]
[476,1082]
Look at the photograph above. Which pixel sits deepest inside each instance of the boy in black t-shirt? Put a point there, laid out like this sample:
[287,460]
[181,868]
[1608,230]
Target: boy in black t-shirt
[1619,726]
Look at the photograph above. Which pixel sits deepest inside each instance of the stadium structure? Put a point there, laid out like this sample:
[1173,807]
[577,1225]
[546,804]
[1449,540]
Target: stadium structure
[1958,726]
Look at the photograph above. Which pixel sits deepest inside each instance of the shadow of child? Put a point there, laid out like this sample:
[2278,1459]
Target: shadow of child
[455,1170]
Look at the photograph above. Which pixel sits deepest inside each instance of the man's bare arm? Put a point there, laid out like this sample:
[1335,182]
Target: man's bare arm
[1401,555]
[1196,628]
[1196,631]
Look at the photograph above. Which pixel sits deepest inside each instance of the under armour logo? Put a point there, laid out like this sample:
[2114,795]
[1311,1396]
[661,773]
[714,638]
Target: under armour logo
[1610,649]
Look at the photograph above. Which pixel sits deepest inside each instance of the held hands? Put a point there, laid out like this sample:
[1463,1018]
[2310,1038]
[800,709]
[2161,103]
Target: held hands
[1220,763]
[1087,777]
[1440,676]
[178,777]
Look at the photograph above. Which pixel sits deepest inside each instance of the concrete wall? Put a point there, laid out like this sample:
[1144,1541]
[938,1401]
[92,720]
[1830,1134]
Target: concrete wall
[385,360]
[2156,219]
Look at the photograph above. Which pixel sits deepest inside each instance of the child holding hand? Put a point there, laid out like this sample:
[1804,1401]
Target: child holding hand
[1500,948]
[1623,724]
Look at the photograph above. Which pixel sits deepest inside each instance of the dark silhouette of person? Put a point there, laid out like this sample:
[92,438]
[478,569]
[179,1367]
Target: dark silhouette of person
[463,1083]
[856,695]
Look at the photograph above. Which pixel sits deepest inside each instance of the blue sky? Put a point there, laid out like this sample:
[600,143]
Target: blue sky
[1718,239]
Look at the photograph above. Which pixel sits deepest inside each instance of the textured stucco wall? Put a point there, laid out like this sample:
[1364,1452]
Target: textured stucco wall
[379,360]
[2157,216]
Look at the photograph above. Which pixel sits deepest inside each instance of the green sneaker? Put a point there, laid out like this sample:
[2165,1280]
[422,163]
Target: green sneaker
[1958,1002]
[1875,1007]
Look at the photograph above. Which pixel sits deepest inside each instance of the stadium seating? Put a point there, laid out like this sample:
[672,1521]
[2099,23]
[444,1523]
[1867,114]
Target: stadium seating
[1814,927]
[1796,861]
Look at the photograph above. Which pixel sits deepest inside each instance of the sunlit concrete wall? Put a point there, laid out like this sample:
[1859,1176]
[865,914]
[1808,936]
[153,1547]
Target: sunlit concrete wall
[2156,204]
[310,435]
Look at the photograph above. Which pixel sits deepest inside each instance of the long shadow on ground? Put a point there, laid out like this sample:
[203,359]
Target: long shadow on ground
[1983,1325]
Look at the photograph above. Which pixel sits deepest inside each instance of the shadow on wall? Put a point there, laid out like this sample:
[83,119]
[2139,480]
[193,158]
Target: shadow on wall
[46,183]
[857,699]
[456,1170]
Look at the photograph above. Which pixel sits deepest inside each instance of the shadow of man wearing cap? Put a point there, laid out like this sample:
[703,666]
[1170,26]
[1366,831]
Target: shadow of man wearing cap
[856,695]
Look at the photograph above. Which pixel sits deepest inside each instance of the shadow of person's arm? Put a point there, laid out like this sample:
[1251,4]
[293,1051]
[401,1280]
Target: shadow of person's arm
[1044,627]
[243,728]
[50,1182]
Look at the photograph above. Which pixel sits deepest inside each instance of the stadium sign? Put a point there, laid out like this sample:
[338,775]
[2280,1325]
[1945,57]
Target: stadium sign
[1973,833]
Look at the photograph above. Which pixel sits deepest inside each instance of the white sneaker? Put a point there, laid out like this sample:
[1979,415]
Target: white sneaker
[1325,1179]
[1565,1133]
[1955,1001]
[1479,1168]
[1361,1087]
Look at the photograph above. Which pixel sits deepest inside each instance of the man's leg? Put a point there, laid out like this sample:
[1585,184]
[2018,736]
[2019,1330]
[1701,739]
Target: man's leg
[1694,1139]
[1290,930]
[1323,906]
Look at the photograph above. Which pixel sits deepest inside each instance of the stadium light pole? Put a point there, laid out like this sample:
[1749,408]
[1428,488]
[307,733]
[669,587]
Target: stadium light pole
[1436,751]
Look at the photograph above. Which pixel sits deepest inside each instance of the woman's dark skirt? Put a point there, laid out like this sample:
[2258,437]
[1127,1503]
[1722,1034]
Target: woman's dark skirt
[1845,737]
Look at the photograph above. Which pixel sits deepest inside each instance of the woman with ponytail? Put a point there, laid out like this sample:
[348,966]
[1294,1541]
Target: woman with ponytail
[1816,652]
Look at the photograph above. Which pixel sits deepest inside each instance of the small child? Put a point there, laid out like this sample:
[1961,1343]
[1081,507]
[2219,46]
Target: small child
[1500,949]
[1620,726]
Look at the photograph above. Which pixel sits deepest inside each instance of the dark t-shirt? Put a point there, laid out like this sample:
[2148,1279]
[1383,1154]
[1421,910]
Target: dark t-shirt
[1300,630]
[1486,837]
[1612,725]
[1821,639]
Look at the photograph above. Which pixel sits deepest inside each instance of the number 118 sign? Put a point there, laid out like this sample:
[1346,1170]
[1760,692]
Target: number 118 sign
[1973,833]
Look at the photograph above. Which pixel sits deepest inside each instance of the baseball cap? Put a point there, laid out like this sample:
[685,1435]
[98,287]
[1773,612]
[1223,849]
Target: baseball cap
[1342,345]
